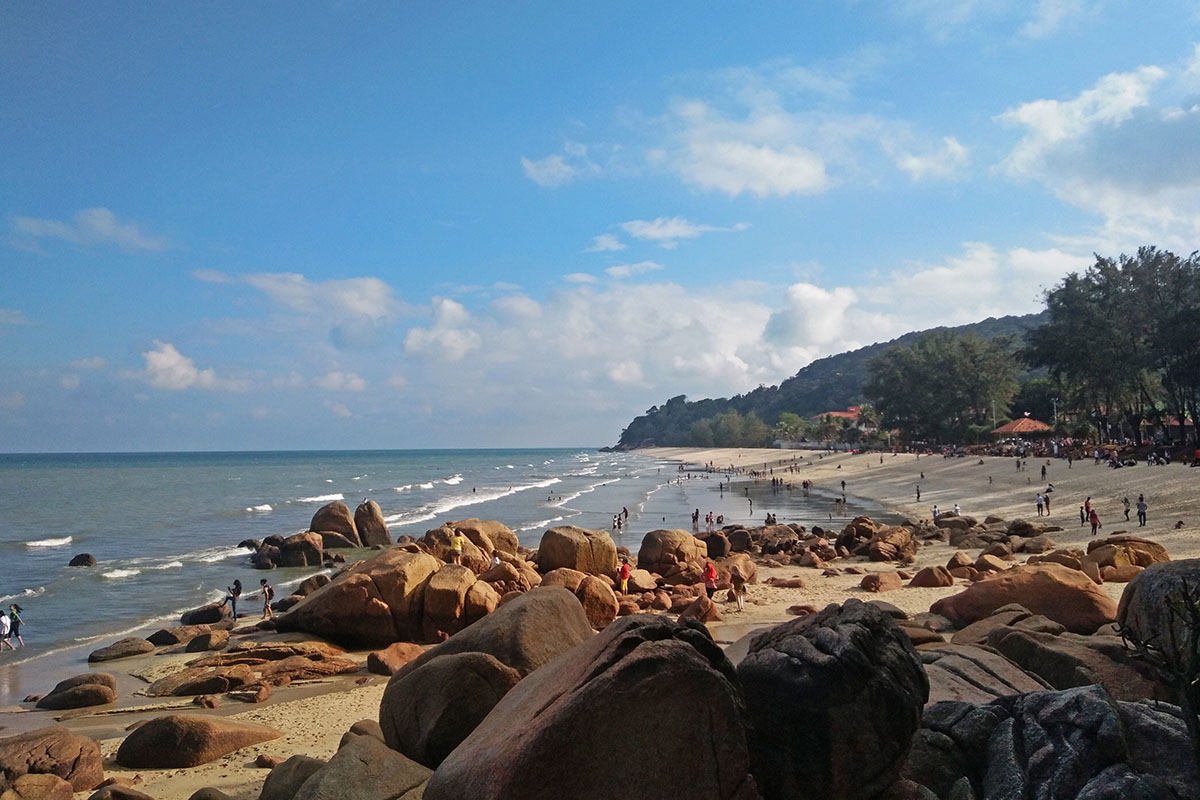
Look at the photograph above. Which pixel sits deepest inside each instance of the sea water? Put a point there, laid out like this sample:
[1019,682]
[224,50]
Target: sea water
[164,528]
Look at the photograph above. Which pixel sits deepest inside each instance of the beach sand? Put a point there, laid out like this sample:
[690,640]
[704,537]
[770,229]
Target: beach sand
[314,717]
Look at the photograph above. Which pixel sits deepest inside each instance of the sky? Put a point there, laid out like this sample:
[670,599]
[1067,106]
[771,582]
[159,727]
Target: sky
[246,226]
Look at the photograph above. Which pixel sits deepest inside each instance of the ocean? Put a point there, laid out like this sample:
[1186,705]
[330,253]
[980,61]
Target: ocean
[164,528]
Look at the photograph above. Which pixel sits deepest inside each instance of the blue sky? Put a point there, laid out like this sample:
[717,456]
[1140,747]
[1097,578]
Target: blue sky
[344,225]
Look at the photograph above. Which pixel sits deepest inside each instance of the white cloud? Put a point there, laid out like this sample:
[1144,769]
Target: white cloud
[12,316]
[397,381]
[517,307]
[1049,17]
[167,368]
[340,410]
[260,412]
[211,276]
[579,277]
[450,337]
[69,382]
[630,270]
[735,167]
[666,231]
[625,372]
[549,172]
[944,163]
[94,362]
[371,298]
[91,226]
[338,381]
[605,243]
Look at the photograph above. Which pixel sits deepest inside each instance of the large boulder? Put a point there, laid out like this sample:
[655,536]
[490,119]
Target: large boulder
[1125,550]
[371,527]
[52,751]
[287,777]
[593,552]
[336,517]
[201,680]
[372,604]
[301,550]
[211,614]
[834,698]
[364,768]
[428,711]
[1077,744]
[1153,610]
[1064,595]
[187,740]
[391,658]
[598,601]
[565,730]
[973,674]
[38,787]
[446,597]
[123,648]
[479,531]
[180,634]
[523,633]
[892,544]
[81,691]
[664,550]
[438,542]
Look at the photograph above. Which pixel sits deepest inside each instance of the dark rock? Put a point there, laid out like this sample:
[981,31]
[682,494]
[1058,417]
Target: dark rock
[639,668]
[117,791]
[973,674]
[1068,660]
[213,640]
[178,635]
[52,751]
[372,529]
[1148,609]
[209,793]
[82,560]
[364,769]
[185,740]
[1010,616]
[82,695]
[287,778]
[206,615]
[834,698]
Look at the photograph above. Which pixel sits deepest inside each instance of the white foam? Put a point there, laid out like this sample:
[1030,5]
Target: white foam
[60,542]
[451,502]
[425,485]
[24,593]
[264,508]
[454,480]
[117,574]
[210,557]
[321,498]
[168,565]
[544,523]
[403,488]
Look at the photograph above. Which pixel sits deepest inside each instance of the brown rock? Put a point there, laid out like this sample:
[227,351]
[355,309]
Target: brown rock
[211,614]
[932,577]
[702,609]
[480,601]
[213,640]
[130,646]
[959,559]
[891,544]
[592,552]
[973,674]
[565,577]
[52,751]
[177,635]
[1124,550]
[1120,574]
[81,691]
[663,550]
[599,602]
[336,517]
[301,550]
[881,582]
[987,563]
[206,701]
[251,693]
[32,786]
[201,680]
[497,534]
[371,527]
[1061,594]
[184,740]
[641,580]
[446,597]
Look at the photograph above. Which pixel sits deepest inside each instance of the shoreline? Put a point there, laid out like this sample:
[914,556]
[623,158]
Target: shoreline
[889,486]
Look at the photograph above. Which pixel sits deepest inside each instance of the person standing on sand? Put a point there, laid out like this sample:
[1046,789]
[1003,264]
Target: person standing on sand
[918,492]
[15,623]
[5,632]
[1046,498]
[1125,504]
[268,595]
[1082,517]
[738,583]
[1141,508]
[710,579]
[1087,506]
[1094,518]
[624,577]
[1040,504]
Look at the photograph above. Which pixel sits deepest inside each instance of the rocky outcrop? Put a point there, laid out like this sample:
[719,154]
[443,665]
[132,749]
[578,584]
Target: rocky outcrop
[288,776]
[834,698]
[973,674]
[336,518]
[428,711]
[364,768]
[671,554]
[301,550]
[372,604]
[81,691]
[1124,550]
[201,680]
[562,729]
[38,787]
[598,601]
[211,614]
[592,552]
[1064,595]
[371,527]
[186,740]
[123,648]
[445,597]
[495,535]
[51,751]
[1077,744]
[892,544]
[181,634]
[1152,609]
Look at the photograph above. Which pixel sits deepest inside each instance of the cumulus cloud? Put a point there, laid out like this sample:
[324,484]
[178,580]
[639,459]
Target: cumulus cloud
[667,231]
[630,270]
[69,382]
[945,162]
[90,227]
[560,168]
[450,337]
[338,381]
[735,167]
[211,276]
[605,243]
[579,277]
[1050,15]
[167,368]
[365,297]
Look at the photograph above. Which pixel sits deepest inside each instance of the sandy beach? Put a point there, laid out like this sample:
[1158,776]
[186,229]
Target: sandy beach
[994,486]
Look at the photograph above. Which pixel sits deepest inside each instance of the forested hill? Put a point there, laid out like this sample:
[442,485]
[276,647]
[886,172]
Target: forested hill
[828,384]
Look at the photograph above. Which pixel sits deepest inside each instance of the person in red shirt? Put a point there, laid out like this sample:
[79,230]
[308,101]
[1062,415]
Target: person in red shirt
[624,577]
[1094,518]
[710,579]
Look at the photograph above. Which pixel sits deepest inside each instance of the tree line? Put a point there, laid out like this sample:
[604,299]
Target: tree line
[1117,348]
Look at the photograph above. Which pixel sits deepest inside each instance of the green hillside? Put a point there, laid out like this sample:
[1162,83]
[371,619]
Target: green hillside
[828,384]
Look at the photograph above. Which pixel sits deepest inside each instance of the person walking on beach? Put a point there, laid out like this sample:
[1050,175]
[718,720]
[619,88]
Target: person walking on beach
[1046,498]
[737,583]
[1094,518]
[268,595]
[1040,504]
[5,632]
[935,512]
[1141,509]
[710,579]
[235,592]
[15,622]
[1125,504]
[1082,517]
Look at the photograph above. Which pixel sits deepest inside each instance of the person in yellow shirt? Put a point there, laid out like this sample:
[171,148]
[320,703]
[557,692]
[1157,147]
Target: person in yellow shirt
[456,547]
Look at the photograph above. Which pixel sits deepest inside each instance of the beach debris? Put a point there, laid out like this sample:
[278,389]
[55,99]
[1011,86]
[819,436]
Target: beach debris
[122,648]
[591,552]
[834,698]
[973,674]
[187,740]
[52,750]
[82,560]
[81,691]
[1057,592]
[1045,745]
[371,527]
[428,711]
[640,667]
